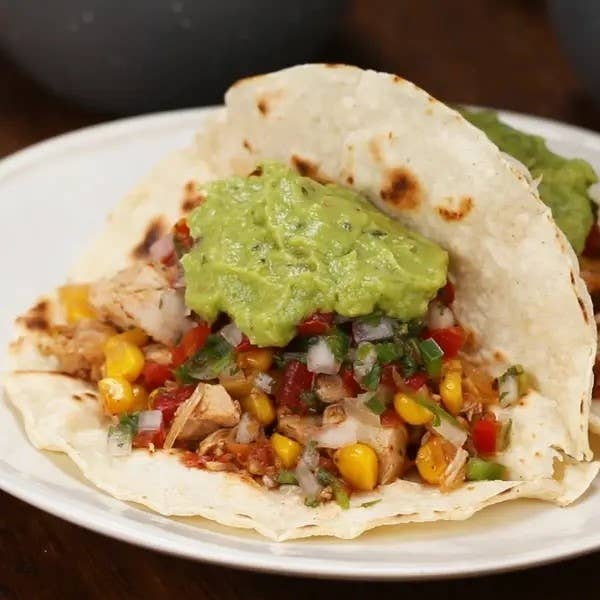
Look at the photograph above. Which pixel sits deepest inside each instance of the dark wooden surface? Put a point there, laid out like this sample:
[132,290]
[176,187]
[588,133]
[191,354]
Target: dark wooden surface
[492,52]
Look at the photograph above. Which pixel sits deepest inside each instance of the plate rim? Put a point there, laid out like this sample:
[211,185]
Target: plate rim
[102,520]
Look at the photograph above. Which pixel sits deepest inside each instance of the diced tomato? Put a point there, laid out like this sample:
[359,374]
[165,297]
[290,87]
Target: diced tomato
[317,324]
[143,439]
[387,376]
[390,418]
[261,456]
[245,344]
[485,434]
[193,460]
[154,375]
[295,380]
[350,383]
[239,451]
[416,381]
[592,243]
[450,340]
[192,341]
[168,400]
[446,294]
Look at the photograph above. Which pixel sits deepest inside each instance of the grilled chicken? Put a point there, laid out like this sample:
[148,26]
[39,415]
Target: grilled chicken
[297,427]
[209,408]
[78,348]
[141,296]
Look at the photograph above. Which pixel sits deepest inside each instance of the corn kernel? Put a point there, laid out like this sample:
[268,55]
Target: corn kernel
[123,359]
[451,391]
[431,461]
[287,450]
[358,465]
[410,411]
[135,336]
[260,359]
[239,385]
[75,301]
[140,397]
[260,406]
[116,395]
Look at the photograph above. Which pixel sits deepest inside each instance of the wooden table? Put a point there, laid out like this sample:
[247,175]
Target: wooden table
[492,52]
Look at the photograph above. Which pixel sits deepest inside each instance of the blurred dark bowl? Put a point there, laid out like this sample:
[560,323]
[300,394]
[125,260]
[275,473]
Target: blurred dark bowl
[148,55]
[578,25]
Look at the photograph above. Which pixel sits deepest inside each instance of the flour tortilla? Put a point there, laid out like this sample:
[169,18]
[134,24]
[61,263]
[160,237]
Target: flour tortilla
[518,291]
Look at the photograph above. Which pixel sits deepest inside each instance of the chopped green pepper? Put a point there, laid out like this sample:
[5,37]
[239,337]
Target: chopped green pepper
[432,357]
[484,470]
[375,405]
[285,477]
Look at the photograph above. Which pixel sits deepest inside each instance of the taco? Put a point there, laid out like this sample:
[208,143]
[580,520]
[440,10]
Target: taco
[570,187]
[363,315]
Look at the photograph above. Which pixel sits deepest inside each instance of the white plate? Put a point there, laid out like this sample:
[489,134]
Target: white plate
[52,197]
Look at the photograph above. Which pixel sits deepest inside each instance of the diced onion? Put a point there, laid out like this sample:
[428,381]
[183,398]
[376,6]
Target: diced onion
[439,316]
[508,389]
[457,463]
[456,435]
[367,332]
[310,456]
[338,435]
[248,429]
[162,248]
[356,408]
[119,441]
[307,480]
[150,420]
[232,334]
[264,382]
[320,359]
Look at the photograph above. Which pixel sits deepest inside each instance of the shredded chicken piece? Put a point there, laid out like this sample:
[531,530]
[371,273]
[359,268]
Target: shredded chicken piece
[215,441]
[296,427]
[330,388]
[141,296]
[478,385]
[79,348]
[334,414]
[209,408]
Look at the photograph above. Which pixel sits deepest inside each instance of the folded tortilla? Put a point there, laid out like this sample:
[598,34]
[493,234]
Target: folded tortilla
[517,288]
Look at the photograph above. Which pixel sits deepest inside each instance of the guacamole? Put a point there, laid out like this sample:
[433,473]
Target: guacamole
[564,181]
[275,247]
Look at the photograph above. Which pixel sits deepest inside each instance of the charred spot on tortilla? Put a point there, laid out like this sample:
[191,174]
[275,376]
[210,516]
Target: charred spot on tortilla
[37,318]
[307,168]
[247,145]
[456,214]
[499,356]
[397,79]
[191,197]
[350,180]
[262,106]
[258,171]
[431,99]
[155,230]
[572,278]
[335,65]
[401,189]
[582,307]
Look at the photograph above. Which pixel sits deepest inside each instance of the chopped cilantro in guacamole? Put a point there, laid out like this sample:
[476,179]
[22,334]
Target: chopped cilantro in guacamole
[565,182]
[275,247]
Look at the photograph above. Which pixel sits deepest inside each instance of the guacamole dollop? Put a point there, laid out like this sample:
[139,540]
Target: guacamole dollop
[565,182]
[274,247]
